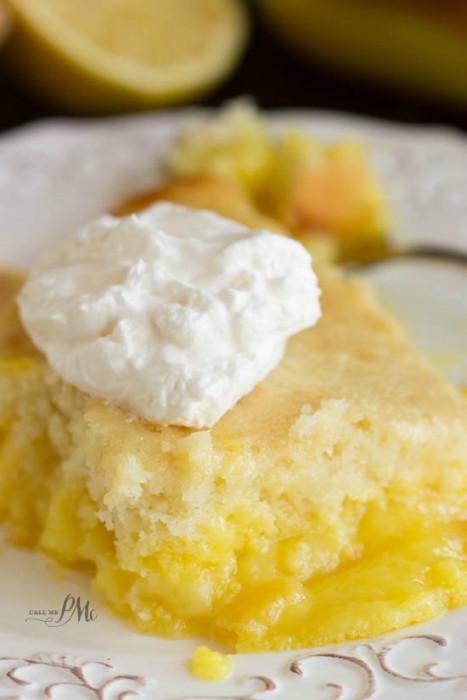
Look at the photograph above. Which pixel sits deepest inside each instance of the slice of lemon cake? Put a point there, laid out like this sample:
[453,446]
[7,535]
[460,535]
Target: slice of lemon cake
[327,504]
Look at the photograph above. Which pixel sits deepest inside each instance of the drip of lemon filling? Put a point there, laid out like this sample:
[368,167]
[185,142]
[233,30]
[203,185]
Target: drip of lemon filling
[209,665]
[326,506]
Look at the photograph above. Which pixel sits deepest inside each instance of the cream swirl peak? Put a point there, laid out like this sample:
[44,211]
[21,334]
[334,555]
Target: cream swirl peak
[172,314]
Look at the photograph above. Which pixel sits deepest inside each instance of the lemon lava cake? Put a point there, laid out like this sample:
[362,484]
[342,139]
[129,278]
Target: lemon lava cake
[328,504]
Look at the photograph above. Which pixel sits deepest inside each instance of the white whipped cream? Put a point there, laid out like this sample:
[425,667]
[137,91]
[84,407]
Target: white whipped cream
[173,314]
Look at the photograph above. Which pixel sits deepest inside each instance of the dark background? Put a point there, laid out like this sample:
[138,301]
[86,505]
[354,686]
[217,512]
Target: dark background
[276,78]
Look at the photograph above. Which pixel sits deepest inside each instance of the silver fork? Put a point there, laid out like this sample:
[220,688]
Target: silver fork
[422,251]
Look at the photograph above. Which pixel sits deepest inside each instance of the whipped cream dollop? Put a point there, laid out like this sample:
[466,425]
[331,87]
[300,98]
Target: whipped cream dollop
[173,314]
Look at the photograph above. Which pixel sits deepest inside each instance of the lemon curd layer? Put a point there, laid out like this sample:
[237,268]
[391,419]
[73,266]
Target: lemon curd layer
[328,504]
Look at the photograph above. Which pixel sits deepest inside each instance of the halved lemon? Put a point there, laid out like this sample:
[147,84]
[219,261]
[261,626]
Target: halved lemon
[111,55]
[420,46]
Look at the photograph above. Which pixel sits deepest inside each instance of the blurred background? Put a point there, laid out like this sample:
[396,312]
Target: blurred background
[404,60]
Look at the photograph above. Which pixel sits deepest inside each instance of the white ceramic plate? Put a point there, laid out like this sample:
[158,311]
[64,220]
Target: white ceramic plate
[56,175]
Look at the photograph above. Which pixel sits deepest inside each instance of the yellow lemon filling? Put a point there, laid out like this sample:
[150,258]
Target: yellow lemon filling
[208,665]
